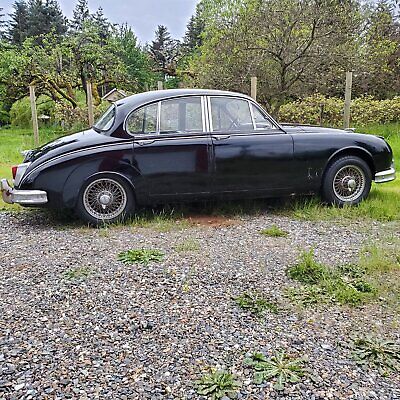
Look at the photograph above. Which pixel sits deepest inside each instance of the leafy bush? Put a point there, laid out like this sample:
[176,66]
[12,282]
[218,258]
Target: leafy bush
[280,367]
[142,256]
[217,385]
[21,114]
[364,110]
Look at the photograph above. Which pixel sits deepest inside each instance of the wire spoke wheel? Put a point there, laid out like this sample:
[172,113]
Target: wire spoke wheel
[105,199]
[349,183]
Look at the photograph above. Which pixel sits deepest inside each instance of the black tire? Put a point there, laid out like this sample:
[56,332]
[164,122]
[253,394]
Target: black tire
[347,181]
[105,199]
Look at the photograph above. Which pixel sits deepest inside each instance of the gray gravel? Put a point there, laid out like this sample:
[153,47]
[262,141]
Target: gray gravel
[147,332]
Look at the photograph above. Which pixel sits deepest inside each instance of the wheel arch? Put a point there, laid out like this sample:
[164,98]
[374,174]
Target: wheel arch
[364,154]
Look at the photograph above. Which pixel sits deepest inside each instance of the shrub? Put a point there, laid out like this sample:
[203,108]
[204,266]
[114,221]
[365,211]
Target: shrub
[364,110]
[21,114]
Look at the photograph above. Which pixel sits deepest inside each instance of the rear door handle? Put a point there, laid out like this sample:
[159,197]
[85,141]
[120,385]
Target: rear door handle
[145,142]
[221,137]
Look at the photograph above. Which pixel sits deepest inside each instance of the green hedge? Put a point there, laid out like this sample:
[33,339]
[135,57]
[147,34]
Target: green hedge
[21,114]
[364,111]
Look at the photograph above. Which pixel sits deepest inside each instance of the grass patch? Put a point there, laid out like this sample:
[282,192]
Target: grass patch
[218,384]
[187,246]
[274,231]
[161,221]
[280,368]
[79,273]
[141,256]
[377,353]
[255,303]
[344,285]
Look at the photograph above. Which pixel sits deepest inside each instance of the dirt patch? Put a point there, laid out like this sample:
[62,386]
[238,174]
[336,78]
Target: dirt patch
[212,221]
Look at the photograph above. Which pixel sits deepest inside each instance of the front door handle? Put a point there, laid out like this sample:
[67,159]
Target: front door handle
[221,137]
[145,142]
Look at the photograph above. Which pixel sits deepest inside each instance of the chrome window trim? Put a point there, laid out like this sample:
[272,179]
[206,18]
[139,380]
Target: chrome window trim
[245,99]
[265,114]
[159,105]
[252,114]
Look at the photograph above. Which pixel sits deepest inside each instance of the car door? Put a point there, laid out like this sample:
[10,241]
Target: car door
[172,148]
[250,152]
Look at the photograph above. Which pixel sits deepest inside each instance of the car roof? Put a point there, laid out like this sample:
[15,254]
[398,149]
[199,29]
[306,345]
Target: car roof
[156,95]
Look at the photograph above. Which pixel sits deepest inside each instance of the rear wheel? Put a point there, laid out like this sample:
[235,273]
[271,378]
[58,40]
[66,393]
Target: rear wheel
[105,200]
[347,181]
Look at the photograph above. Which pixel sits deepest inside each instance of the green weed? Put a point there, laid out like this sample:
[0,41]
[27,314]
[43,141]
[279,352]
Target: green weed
[376,352]
[280,368]
[218,384]
[255,303]
[79,273]
[274,231]
[141,256]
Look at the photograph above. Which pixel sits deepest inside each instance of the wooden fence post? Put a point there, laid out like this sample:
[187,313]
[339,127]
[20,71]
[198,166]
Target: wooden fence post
[347,99]
[90,103]
[35,124]
[254,87]
[160,85]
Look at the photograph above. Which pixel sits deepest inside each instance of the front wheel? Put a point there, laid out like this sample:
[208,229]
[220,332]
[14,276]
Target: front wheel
[347,181]
[105,200]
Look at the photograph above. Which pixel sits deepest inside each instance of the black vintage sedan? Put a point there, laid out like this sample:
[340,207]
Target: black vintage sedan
[176,145]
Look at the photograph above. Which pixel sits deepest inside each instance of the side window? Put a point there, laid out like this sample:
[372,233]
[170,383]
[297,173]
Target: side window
[261,121]
[181,115]
[231,115]
[144,120]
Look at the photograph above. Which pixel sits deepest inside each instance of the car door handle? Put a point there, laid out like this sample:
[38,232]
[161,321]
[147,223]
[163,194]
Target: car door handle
[221,137]
[145,142]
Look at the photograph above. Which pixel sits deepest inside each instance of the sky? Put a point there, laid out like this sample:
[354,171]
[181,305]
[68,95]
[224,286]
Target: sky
[142,15]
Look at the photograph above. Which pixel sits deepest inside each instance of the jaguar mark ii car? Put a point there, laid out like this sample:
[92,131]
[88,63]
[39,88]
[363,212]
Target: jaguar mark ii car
[177,145]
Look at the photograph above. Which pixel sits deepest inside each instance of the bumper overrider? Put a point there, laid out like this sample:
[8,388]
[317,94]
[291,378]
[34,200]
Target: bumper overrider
[24,197]
[385,176]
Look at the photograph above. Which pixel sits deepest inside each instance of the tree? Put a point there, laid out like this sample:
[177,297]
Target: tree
[102,24]
[289,44]
[165,52]
[136,60]
[193,36]
[18,25]
[378,73]
[81,15]
[45,17]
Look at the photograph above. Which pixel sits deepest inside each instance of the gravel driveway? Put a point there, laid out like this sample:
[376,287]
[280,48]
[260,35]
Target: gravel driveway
[147,332]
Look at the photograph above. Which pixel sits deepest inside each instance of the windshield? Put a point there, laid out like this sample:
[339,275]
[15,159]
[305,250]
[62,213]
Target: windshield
[107,120]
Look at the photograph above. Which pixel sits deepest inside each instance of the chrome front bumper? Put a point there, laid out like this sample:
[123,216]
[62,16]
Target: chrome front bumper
[385,176]
[23,197]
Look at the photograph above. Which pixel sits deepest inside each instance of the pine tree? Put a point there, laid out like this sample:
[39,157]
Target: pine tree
[81,16]
[102,24]
[164,51]
[193,39]
[45,17]
[18,25]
